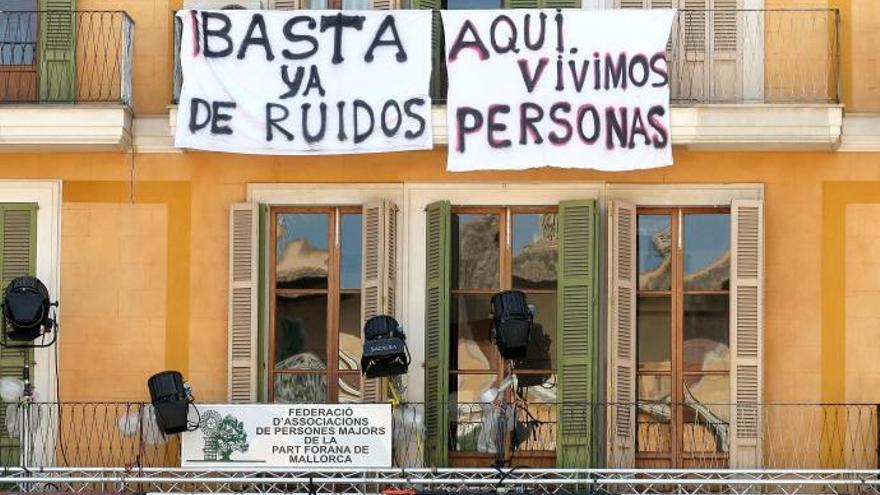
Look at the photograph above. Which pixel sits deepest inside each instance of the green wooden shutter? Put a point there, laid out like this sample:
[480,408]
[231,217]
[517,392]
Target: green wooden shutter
[577,324]
[437,279]
[438,59]
[262,304]
[57,50]
[18,254]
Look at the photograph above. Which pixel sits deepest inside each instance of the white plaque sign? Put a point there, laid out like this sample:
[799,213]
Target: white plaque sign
[290,435]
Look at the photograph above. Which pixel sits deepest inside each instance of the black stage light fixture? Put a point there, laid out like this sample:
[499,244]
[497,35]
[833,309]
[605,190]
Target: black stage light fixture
[385,352]
[27,314]
[171,400]
[511,323]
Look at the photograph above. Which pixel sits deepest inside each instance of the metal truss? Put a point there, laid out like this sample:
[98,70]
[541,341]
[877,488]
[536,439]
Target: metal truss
[446,481]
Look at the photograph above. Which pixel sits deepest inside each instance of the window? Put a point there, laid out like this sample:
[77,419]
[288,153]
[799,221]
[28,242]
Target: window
[472,253]
[495,249]
[18,47]
[683,336]
[315,334]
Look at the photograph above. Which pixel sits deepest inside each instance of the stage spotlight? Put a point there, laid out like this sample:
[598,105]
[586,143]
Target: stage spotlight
[27,313]
[385,352]
[171,399]
[511,323]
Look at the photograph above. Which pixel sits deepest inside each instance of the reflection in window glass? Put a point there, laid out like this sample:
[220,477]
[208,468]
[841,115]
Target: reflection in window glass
[18,32]
[350,343]
[351,249]
[711,391]
[534,250]
[300,387]
[475,244]
[301,332]
[472,420]
[470,389]
[707,413]
[469,332]
[301,251]
[654,413]
[473,4]
[706,332]
[541,353]
[707,251]
[653,325]
[537,388]
[350,388]
[655,252]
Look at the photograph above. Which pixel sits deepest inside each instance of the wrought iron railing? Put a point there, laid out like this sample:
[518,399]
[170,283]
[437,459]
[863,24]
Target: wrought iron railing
[755,56]
[793,436]
[789,56]
[66,57]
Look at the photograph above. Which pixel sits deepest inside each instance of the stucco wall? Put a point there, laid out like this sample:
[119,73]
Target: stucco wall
[805,290]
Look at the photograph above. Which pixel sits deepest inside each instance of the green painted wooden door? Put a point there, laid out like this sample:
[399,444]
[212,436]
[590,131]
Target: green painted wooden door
[577,328]
[437,280]
[57,51]
[18,232]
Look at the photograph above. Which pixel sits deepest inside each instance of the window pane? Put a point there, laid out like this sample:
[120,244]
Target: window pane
[654,413]
[350,345]
[18,32]
[351,251]
[706,414]
[707,251]
[541,353]
[655,252]
[473,4]
[653,324]
[356,4]
[301,250]
[475,251]
[471,389]
[535,427]
[301,332]
[654,388]
[534,251]
[469,333]
[537,388]
[472,419]
[350,387]
[711,391]
[706,332]
[300,387]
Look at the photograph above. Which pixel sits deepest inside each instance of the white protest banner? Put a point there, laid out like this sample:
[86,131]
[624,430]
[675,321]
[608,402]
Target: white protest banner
[290,436]
[305,82]
[566,88]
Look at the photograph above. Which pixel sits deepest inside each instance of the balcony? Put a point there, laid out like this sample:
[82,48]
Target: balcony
[815,448]
[739,79]
[65,79]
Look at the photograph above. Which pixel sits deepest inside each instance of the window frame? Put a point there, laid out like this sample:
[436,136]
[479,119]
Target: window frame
[333,291]
[505,267]
[677,455]
[505,215]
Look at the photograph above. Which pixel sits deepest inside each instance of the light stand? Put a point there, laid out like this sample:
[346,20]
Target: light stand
[512,320]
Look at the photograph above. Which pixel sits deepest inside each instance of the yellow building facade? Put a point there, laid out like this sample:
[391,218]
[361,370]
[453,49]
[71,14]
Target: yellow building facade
[136,234]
